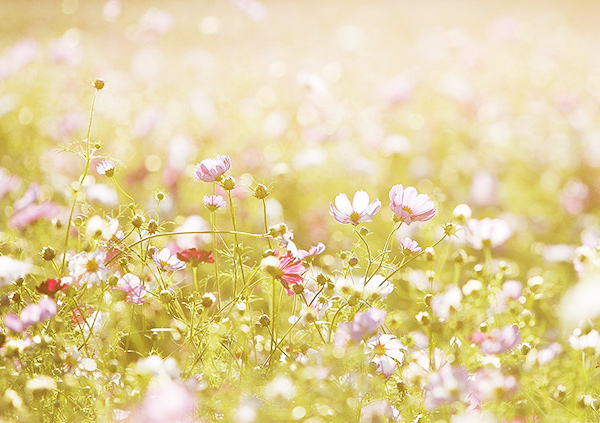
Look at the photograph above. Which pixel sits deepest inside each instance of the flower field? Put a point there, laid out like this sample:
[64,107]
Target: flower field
[313,212]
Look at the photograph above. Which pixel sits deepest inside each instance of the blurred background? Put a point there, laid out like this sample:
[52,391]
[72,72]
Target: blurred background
[494,104]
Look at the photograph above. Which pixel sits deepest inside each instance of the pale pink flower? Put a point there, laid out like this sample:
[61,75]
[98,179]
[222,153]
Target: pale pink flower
[447,385]
[214,202]
[313,251]
[442,304]
[169,401]
[88,268]
[106,168]
[359,211]
[133,287]
[211,170]
[498,341]
[31,314]
[409,207]
[387,351]
[32,213]
[366,323]
[167,261]
[379,411]
[492,384]
[490,232]
[410,246]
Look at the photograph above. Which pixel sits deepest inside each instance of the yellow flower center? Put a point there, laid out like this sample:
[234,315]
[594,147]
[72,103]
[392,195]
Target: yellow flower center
[354,216]
[91,266]
[379,349]
[407,209]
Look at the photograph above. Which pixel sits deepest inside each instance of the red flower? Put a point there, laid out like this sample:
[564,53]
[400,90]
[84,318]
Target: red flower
[194,256]
[51,286]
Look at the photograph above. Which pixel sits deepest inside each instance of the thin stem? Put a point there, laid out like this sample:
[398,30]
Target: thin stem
[88,160]
[236,246]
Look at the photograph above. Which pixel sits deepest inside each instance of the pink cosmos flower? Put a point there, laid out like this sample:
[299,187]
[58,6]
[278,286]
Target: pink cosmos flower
[211,170]
[498,341]
[31,314]
[32,213]
[213,202]
[410,246]
[169,401]
[131,285]
[313,251]
[387,351]
[285,268]
[409,207]
[167,261]
[359,211]
[447,385]
[491,384]
[366,323]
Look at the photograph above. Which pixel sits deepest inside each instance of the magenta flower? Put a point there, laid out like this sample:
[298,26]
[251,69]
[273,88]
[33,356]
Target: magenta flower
[167,261]
[359,211]
[409,207]
[410,246]
[286,268]
[213,202]
[211,170]
[131,285]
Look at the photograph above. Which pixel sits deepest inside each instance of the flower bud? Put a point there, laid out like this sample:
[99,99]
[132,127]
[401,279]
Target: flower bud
[364,231]
[298,289]
[166,296]
[160,196]
[152,226]
[450,229]
[98,84]
[353,261]
[123,262]
[48,253]
[461,213]
[264,320]
[137,220]
[261,191]
[428,299]
[460,256]
[423,318]
[429,254]
[208,300]
[321,279]
[228,183]
[525,348]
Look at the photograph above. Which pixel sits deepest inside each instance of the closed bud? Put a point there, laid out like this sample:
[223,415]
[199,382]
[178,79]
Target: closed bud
[264,320]
[364,231]
[353,261]
[428,299]
[559,393]
[423,318]
[160,196]
[228,183]
[298,289]
[166,296]
[321,279]
[525,348]
[152,226]
[98,84]
[123,262]
[461,213]
[137,220]
[261,191]
[429,253]
[112,280]
[208,300]
[48,253]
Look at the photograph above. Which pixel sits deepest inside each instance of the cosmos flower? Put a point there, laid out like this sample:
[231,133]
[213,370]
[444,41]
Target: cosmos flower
[213,202]
[410,246]
[286,268]
[447,385]
[88,268]
[106,168]
[31,314]
[131,285]
[376,287]
[498,341]
[195,256]
[51,286]
[387,351]
[491,232]
[409,207]
[359,211]
[211,170]
[167,261]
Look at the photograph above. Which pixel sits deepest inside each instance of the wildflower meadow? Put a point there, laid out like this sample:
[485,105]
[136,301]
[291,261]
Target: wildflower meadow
[256,211]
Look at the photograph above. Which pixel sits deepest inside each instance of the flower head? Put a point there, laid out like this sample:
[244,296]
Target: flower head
[213,202]
[88,268]
[211,170]
[387,351]
[51,286]
[491,232]
[167,261]
[410,246]
[409,207]
[106,168]
[359,211]
[285,268]
[194,256]
[131,285]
